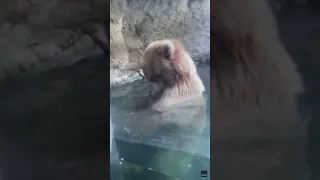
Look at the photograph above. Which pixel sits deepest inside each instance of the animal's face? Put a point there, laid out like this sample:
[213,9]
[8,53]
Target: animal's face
[165,63]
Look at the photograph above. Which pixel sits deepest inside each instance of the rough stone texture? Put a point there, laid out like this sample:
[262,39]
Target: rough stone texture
[37,35]
[119,56]
[134,24]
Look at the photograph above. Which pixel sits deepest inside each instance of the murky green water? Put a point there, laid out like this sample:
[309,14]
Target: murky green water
[153,151]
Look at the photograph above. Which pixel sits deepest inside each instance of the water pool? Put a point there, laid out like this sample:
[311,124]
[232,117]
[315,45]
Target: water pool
[170,153]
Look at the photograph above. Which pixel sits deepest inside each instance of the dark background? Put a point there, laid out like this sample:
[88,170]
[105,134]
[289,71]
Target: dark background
[299,27]
[55,126]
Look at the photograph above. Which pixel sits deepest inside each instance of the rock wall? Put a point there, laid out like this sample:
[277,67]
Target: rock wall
[36,35]
[134,24]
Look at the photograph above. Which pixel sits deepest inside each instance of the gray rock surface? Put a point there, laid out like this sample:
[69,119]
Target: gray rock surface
[37,35]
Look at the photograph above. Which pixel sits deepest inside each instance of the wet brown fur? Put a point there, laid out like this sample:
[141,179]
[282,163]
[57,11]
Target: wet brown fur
[173,70]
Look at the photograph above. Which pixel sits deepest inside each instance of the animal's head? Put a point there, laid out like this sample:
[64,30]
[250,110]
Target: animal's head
[166,63]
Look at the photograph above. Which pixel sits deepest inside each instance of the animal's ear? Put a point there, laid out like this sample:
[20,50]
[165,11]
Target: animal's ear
[176,51]
[165,52]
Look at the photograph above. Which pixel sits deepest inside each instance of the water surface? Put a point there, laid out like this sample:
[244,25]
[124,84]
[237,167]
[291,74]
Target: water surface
[151,151]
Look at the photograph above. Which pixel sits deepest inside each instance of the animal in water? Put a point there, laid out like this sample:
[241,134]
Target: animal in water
[177,102]
[176,113]
[171,74]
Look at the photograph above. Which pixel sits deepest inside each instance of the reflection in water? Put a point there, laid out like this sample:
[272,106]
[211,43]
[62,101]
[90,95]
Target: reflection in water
[153,145]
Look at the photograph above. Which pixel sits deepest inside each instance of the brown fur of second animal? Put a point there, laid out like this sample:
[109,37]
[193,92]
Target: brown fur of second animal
[171,74]
[257,131]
